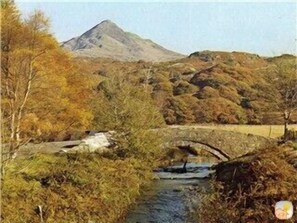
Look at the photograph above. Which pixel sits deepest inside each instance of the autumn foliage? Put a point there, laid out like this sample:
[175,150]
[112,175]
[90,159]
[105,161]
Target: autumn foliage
[47,96]
[207,87]
[42,93]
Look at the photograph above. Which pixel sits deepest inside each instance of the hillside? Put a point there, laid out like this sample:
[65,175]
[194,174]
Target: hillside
[206,87]
[107,40]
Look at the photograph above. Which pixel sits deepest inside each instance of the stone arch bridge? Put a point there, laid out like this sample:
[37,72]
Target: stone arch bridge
[222,144]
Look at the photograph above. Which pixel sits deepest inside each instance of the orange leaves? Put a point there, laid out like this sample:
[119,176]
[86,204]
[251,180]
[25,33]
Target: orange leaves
[41,85]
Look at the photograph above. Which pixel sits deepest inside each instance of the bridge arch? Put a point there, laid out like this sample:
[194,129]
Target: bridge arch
[192,147]
[224,145]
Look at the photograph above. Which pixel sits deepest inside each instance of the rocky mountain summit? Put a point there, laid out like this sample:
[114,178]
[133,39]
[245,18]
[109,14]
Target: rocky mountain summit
[107,40]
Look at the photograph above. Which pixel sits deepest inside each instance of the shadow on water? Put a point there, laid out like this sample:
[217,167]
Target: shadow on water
[167,201]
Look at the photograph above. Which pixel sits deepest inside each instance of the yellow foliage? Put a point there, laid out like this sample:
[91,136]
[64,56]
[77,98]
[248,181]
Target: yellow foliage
[44,95]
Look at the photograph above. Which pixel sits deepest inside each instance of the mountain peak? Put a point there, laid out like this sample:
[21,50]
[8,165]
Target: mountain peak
[107,39]
[105,26]
[106,21]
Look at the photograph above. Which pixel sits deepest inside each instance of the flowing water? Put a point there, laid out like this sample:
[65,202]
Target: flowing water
[167,201]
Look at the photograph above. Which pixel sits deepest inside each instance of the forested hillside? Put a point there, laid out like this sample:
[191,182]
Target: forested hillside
[206,87]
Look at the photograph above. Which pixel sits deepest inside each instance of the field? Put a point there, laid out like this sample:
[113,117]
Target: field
[272,131]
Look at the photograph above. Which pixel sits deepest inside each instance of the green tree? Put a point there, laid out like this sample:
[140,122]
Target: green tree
[128,109]
[286,84]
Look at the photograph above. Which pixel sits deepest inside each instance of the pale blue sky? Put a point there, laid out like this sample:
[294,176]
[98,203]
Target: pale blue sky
[267,29]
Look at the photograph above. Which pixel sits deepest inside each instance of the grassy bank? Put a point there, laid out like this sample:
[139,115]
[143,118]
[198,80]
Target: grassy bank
[246,189]
[71,188]
[271,131]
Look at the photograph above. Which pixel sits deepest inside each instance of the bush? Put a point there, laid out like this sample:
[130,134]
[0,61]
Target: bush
[220,110]
[246,189]
[207,92]
[229,93]
[163,86]
[183,87]
[292,135]
[178,110]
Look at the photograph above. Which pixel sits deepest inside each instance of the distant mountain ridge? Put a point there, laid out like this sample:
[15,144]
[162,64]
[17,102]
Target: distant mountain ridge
[107,40]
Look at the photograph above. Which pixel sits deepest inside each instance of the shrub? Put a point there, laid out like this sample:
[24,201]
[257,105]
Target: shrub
[163,86]
[207,92]
[220,110]
[183,87]
[178,111]
[292,135]
[229,93]
[247,188]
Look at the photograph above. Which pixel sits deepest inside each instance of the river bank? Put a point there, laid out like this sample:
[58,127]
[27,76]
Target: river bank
[246,189]
[71,188]
[84,187]
[90,188]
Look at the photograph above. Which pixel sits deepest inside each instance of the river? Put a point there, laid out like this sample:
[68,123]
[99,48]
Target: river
[169,199]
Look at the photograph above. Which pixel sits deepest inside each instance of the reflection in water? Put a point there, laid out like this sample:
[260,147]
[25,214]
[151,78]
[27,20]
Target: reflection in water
[166,201]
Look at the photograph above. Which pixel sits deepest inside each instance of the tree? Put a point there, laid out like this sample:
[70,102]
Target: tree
[41,91]
[10,25]
[286,84]
[128,108]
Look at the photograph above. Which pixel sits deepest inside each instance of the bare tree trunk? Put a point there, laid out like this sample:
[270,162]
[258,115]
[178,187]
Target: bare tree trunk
[17,112]
[286,123]
[286,130]
[12,140]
